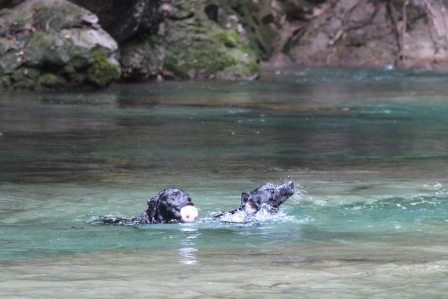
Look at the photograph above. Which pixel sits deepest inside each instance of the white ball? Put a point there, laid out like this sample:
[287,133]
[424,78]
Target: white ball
[189,213]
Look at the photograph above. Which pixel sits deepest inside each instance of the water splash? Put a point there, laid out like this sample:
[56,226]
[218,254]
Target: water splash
[299,192]
[264,215]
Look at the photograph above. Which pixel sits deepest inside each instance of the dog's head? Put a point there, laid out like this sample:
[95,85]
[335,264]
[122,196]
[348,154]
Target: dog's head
[268,196]
[166,206]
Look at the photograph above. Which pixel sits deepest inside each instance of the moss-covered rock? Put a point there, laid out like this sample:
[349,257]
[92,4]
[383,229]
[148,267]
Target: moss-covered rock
[55,44]
[49,80]
[251,18]
[5,81]
[142,59]
[228,38]
[102,70]
[190,45]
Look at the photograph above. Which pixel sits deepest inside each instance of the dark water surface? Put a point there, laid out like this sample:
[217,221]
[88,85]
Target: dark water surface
[368,151]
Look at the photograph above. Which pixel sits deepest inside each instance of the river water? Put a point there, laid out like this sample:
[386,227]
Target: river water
[367,151]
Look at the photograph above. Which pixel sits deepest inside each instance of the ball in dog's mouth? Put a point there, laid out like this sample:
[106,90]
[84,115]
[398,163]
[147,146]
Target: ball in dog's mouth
[189,213]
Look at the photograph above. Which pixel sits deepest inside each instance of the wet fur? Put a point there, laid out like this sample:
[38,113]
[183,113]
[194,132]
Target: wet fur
[267,196]
[163,208]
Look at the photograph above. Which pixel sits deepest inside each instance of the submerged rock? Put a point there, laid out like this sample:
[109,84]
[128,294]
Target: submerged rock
[55,44]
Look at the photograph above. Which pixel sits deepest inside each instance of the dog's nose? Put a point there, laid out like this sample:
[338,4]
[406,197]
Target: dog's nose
[290,184]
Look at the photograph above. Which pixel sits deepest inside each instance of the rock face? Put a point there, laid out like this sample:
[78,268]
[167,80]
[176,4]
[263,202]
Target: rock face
[58,44]
[190,44]
[123,19]
[227,39]
[357,33]
[347,33]
[9,3]
[187,39]
[55,44]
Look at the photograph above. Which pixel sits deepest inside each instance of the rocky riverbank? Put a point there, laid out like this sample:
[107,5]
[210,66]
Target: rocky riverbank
[60,44]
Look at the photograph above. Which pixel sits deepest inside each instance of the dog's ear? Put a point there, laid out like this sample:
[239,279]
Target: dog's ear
[244,197]
[153,205]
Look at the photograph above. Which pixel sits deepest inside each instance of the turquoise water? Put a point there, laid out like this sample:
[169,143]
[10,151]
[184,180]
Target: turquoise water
[367,150]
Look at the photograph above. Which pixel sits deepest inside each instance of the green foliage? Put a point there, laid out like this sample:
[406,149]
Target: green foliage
[5,81]
[51,80]
[201,62]
[260,36]
[228,38]
[102,71]
[253,67]
[214,60]
[199,26]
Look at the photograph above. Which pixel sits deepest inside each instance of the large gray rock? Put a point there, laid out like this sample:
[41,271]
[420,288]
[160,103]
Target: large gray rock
[55,44]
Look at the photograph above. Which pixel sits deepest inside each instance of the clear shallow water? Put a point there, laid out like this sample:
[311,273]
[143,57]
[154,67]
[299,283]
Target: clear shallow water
[368,147]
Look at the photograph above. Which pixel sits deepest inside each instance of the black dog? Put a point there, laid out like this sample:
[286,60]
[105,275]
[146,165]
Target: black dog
[268,196]
[163,208]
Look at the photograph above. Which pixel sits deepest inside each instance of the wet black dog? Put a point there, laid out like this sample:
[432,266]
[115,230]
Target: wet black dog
[268,196]
[163,208]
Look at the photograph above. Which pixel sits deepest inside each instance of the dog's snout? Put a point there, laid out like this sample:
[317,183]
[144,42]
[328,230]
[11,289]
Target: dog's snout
[290,184]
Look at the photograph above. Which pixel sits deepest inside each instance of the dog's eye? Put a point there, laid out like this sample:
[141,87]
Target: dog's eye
[272,191]
[175,194]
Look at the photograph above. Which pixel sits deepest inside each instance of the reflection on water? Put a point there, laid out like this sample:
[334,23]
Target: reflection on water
[368,147]
[188,253]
